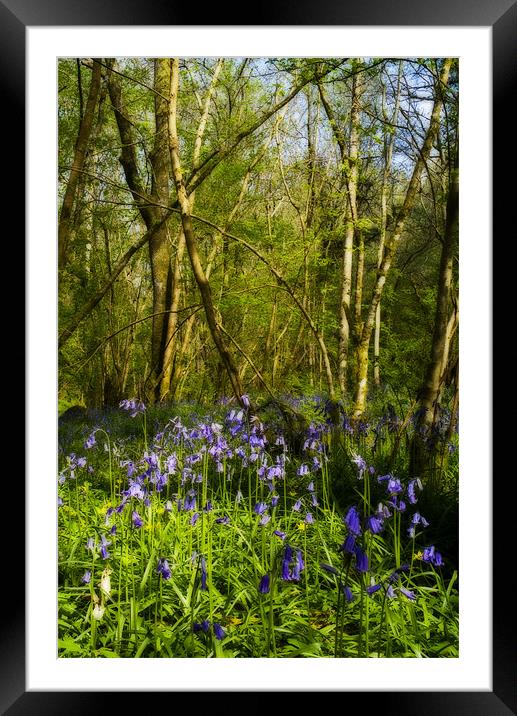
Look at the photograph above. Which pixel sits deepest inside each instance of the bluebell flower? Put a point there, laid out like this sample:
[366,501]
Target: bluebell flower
[60,502]
[203,626]
[194,518]
[302,470]
[298,566]
[361,464]
[352,521]
[438,561]
[408,594]
[113,530]
[286,562]
[274,500]
[374,525]
[394,486]
[348,545]
[104,552]
[361,560]
[260,508]
[314,500]
[309,519]
[222,520]
[163,568]
[411,490]
[137,520]
[86,578]
[280,534]
[349,597]
[264,519]
[90,441]
[373,588]
[264,585]
[218,631]
[297,505]
[329,568]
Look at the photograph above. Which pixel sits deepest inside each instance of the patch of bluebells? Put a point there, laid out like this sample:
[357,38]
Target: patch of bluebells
[133,407]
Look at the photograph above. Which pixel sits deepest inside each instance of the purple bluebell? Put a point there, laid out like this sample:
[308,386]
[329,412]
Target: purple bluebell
[394,486]
[90,441]
[361,557]
[203,626]
[374,525]
[373,588]
[274,500]
[280,534]
[218,631]
[348,545]
[438,561]
[329,568]
[286,563]
[194,518]
[302,470]
[86,578]
[352,521]
[264,519]
[314,500]
[137,520]
[411,494]
[297,505]
[298,566]
[361,464]
[163,568]
[264,584]
[113,530]
[260,508]
[309,519]
[104,552]
[189,502]
[347,592]
[408,594]
[60,502]
[222,520]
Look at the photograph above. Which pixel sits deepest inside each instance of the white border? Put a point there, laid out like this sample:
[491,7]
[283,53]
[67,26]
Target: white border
[472,671]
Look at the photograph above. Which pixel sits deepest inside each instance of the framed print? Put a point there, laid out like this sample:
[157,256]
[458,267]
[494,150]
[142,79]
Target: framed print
[37,39]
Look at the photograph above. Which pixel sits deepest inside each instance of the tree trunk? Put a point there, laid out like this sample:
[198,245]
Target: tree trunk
[204,287]
[388,154]
[392,245]
[351,176]
[81,145]
[441,336]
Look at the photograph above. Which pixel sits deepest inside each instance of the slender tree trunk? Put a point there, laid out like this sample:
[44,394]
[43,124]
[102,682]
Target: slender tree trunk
[351,176]
[431,387]
[388,154]
[203,285]
[166,372]
[81,145]
[391,246]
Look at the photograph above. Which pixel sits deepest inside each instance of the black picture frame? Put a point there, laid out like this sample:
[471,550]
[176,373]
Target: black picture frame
[501,16]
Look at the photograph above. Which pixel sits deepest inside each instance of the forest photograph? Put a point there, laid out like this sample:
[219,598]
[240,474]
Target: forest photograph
[258,357]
